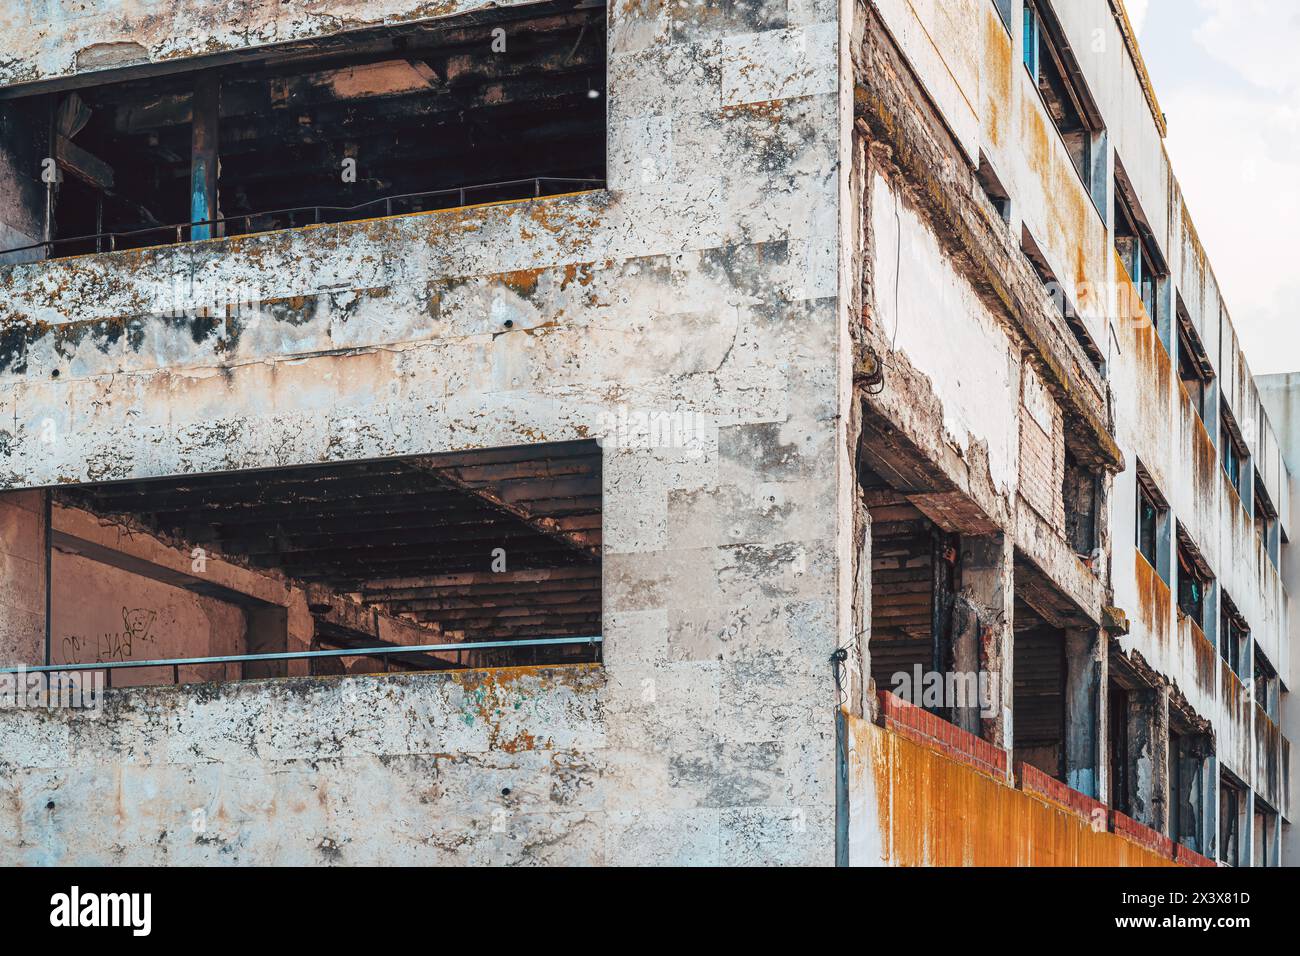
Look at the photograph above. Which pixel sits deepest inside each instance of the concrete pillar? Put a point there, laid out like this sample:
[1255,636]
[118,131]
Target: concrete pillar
[267,633]
[1084,679]
[1149,756]
[987,589]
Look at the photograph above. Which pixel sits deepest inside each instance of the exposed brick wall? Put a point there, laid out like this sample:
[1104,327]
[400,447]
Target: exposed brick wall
[1042,450]
[1036,782]
[1141,834]
[925,728]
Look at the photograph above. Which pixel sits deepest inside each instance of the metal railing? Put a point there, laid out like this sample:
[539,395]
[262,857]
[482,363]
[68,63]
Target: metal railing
[177,662]
[339,213]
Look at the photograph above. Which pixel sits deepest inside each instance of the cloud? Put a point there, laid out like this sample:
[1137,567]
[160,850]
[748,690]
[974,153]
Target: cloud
[1257,38]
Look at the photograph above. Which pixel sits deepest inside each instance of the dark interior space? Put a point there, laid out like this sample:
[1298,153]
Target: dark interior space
[513,97]
[493,545]
[1039,704]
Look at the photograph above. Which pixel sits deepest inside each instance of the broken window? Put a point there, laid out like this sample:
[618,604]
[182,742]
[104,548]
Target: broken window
[1071,108]
[1152,524]
[1061,302]
[1266,685]
[1233,634]
[1232,816]
[1135,243]
[1265,834]
[412,118]
[1193,365]
[1193,581]
[475,558]
[1081,493]
[1189,763]
[1232,450]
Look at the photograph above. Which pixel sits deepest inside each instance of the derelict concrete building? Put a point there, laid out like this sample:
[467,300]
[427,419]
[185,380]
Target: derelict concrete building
[771,423]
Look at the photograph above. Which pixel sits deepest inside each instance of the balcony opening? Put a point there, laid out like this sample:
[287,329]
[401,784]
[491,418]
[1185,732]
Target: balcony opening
[1232,451]
[500,105]
[492,557]
[915,573]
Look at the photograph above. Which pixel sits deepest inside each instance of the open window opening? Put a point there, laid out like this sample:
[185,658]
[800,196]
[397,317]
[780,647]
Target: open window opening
[1081,490]
[1062,304]
[493,557]
[1234,635]
[1004,8]
[992,185]
[1194,369]
[1118,733]
[1194,580]
[1136,245]
[1267,687]
[1039,669]
[1232,450]
[1232,819]
[1189,773]
[1152,524]
[501,105]
[1056,72]
[915,574]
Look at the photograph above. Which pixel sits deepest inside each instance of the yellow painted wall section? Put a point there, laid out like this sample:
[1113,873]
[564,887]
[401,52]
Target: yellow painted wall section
[934,811]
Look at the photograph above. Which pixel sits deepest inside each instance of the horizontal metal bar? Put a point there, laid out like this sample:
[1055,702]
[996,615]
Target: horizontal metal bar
[536,181]
[297,655]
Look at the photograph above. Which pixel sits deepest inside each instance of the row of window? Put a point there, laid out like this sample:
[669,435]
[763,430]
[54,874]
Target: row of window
[1193,584]
[1048,59]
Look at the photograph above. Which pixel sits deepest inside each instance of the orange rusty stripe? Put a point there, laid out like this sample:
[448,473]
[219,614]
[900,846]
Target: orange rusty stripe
[1154,600]
[934,811]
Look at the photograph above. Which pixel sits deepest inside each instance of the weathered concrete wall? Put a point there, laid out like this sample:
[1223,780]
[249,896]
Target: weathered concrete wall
[51,39]
[702,282]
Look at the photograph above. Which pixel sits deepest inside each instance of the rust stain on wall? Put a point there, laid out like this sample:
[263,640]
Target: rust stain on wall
[936,812]
[1153,600]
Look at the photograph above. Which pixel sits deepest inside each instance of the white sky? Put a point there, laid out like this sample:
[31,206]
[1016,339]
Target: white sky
[1227,74]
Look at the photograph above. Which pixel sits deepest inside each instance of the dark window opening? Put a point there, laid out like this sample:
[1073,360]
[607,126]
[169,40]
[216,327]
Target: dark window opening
[1061,302]
[1052,65]
[1004,11]
[1193,582]
[1152,524]
[1039,668]
[1234,634]
[1081,492]
[1136,245]
[994,190]
[1266,686]
[1232,811]
[1117,727]
[1232,450]
[482,558]
[386,122]
[1193,366]
[1188,765]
